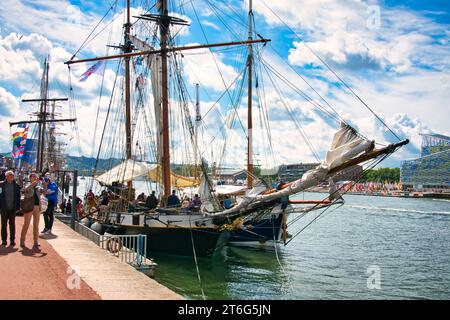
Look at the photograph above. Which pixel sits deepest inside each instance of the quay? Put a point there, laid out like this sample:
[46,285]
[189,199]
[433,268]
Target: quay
[71,267]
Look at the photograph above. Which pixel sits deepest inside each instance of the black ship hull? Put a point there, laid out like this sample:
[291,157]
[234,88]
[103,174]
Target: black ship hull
[208,242]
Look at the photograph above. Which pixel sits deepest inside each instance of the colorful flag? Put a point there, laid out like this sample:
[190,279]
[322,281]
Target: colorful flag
[19,141]
[98,68]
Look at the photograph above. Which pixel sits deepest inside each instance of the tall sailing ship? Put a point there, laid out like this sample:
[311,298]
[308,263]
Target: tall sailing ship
[39,149]
[149,121]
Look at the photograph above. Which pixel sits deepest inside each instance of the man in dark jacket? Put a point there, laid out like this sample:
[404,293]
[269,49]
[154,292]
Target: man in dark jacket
[9,205]
[151,202]
[173,200]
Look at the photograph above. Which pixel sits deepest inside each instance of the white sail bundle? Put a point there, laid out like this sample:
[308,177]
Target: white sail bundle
[153,62]
[126,171]
[346,145]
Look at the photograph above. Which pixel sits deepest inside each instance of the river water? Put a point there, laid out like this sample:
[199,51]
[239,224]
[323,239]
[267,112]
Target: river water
[370,248]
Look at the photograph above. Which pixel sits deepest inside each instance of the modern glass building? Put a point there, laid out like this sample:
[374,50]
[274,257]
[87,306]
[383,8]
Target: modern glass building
[432,169]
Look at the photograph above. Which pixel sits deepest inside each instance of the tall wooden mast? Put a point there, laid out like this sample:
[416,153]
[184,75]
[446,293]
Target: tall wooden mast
[249,100]
[164,23]
[127,48]
[38,153]
[42,118]
[198,118]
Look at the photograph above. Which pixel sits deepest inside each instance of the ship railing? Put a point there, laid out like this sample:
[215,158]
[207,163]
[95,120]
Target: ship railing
[129,249]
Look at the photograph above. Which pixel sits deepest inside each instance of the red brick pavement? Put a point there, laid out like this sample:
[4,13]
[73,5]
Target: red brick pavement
[32,274]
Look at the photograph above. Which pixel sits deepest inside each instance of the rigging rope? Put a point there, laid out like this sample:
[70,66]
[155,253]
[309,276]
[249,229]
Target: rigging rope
[291,114]
[195,259]
[85,42]
[331,70]
[275,244]
[373,163]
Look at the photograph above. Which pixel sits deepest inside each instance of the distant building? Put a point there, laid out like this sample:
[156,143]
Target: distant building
[352,173]
[292,172]
[432,169]
[231,176]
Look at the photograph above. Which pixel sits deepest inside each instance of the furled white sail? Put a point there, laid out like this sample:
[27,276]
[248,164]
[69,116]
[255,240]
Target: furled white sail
[346,145]
[154,63]
[126,171]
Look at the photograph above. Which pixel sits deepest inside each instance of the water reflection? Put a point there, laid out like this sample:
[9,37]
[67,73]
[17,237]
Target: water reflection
[238,273]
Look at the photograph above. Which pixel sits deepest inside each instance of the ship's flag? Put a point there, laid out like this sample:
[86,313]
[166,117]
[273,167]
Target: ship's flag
[98,68]
[19,141]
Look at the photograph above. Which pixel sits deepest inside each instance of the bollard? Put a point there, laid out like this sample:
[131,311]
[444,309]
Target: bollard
[139,251]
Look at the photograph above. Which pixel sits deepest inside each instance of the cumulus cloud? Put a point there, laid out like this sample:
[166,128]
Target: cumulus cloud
[355,34]
[203,66]
[8,103]
[397,63]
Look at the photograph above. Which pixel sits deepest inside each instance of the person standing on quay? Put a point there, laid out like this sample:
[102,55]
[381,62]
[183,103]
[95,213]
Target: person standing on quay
[52,197]
[9,205]
[32,190]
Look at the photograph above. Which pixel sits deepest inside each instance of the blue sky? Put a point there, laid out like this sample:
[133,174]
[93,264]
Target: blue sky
[394,54]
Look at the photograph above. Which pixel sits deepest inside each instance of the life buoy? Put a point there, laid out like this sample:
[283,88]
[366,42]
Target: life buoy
[114,245]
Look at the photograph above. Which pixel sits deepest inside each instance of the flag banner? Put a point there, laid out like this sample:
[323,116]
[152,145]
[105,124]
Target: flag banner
[18,152]
[98,68]
[19,139]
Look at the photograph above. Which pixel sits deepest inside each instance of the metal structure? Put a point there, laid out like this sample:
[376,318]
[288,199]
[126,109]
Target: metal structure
[129,249]
[432,169]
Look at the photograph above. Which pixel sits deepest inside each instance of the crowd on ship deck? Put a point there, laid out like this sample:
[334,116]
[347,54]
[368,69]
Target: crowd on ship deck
[104,201]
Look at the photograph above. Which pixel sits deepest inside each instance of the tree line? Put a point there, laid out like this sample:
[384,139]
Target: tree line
[391,175]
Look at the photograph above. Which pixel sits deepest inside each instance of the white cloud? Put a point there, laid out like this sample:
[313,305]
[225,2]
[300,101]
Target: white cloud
[343,32]
[8,103]
[203,66]
[384,66]
[58,20]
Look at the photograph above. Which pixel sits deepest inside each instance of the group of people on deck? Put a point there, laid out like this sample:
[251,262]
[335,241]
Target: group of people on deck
[38,191]
[144,202]
[173,201]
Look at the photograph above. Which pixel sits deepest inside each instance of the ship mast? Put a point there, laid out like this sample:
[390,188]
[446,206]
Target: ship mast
[42,116]
[127,48]
[249,101]
[164,23]
[198,118]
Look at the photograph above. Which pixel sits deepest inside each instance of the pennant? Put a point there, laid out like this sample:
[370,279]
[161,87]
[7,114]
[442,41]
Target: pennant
[98,68]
